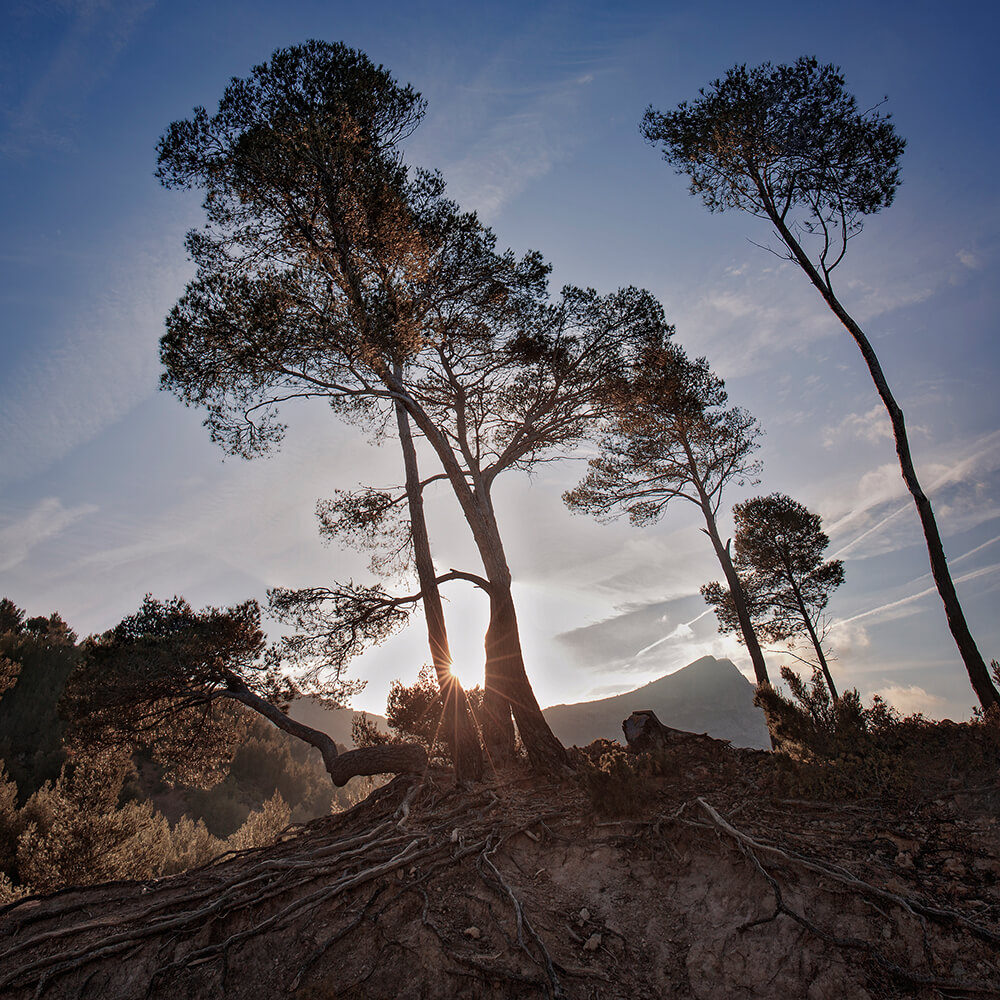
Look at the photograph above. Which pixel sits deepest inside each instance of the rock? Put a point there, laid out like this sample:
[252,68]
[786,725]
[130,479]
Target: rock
[473,932]
[953,866]
[584,915]
[592,943]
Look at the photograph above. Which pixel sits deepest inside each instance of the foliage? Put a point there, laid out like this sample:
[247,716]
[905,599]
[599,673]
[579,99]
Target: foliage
[779,547]
[671,437]
[75,833]
[79,830]
[162,680]
[11,617]
[414,712]
[36,657]
[842,749]
[785,143]
[615,778]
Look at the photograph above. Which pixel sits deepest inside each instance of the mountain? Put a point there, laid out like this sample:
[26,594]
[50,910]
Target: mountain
[335,722]
[707,696]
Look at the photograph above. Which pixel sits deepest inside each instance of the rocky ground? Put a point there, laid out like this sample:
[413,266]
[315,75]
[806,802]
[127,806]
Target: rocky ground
[695,875]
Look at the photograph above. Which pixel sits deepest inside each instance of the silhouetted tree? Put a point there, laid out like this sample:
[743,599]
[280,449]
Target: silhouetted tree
[672,438]
[162,678]
[779,547]
[11,617]
[36,657]
[788,144]
[327,270]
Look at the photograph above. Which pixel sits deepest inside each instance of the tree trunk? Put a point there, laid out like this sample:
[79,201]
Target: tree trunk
[393,758]
[739,598]
[508,691]
[505,670]
[813,636]
[976,667]
[456,724]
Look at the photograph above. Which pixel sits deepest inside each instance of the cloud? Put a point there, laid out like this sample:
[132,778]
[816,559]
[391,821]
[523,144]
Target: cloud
[82,378]
[520,147]
[909,698]
[872,427]
[45,520]
[956,487]
[895,609]
[682,631]
[969,259]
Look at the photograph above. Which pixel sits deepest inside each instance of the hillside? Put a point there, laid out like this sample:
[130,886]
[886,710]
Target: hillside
[707,696]
[713,884]
[335,722]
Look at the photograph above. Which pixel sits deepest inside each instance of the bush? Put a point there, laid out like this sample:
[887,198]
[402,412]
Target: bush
[846,750]
[615,778]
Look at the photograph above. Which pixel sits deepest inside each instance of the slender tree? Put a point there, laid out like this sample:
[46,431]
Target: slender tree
[779,546]
[162,678]
[326,270]
[788,144]
[672,438]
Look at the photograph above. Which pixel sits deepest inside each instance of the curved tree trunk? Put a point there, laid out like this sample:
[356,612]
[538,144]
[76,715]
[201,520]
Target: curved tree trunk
[457,725]
[976,667]
[393,758]
[508,691]
[739,598]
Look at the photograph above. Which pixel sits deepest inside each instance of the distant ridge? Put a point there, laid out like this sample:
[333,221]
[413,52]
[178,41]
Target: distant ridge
[335,722]
[707,696]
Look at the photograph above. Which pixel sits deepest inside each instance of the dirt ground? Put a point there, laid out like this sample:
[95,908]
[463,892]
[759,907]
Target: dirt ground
[707,881]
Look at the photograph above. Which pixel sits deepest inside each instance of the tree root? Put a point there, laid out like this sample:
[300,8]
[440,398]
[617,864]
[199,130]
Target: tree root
[496,881]
[751,848]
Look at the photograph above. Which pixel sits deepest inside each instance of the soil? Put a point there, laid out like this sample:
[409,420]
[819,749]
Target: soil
[714,885]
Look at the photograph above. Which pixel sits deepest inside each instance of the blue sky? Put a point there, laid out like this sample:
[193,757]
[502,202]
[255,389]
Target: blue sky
[109,489]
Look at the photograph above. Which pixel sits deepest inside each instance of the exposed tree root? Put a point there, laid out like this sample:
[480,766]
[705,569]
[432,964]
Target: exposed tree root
[752,848]
[452,886]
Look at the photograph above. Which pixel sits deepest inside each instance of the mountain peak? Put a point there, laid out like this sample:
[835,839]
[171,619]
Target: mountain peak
[708,695]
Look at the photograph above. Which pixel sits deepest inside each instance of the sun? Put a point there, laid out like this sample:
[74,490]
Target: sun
[468,672]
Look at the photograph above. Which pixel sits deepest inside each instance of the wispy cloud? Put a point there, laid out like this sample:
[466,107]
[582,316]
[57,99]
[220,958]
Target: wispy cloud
[82,378]
[910,698]
[904,606]
[93,34]
[520,147]
[877,487]
[45,520]
[872,427]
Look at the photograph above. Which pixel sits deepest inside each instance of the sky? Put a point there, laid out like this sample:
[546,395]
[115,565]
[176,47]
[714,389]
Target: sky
[110,489]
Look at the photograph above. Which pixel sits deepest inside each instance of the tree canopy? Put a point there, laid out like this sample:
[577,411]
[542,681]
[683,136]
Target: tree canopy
[167,678]
[779,546]
[328,269]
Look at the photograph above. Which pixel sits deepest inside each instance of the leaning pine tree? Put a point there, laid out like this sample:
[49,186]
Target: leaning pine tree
[788,144]
[671,437]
